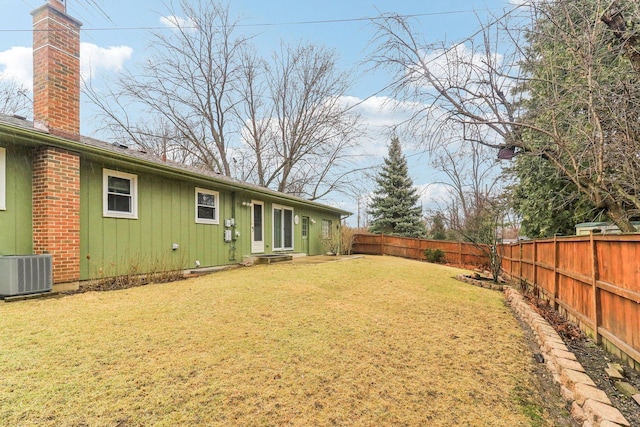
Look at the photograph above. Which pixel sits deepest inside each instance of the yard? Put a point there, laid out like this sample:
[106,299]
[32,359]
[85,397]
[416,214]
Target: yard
[372,341]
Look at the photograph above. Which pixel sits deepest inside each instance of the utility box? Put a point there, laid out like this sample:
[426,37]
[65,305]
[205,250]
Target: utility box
[25,274]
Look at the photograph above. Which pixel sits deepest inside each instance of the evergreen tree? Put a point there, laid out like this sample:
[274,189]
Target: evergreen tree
[581,117]
[438,230]
[547,203]
[394,204]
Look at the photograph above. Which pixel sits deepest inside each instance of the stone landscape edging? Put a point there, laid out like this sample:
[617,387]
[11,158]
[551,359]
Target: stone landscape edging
[481,283]
[590,406]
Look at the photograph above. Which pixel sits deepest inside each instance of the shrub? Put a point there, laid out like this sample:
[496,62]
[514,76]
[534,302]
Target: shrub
[340,243]
[434,255]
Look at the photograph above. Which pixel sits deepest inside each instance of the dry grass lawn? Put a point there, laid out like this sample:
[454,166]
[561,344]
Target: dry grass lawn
[367,342]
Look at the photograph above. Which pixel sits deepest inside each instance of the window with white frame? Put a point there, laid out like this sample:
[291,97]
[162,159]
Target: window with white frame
[282,228]
[120,194]
[3,178]
[326,229]
[207,206]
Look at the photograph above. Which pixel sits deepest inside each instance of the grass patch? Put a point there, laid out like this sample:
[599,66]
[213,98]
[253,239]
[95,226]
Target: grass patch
[373,341]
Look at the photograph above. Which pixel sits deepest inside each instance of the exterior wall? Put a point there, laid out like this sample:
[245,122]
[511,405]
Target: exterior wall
[56,210]
[16,237]
[166,215]
[43,209]
[316,244]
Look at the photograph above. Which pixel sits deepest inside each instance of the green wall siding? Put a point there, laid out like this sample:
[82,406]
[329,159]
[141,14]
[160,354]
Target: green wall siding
[166,215]
[316,246]
[16,237]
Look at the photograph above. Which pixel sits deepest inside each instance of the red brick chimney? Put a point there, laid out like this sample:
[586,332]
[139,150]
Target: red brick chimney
[56,109]
[56,70]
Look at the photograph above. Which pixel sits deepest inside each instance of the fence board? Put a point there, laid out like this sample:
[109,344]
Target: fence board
[460,253]
[595,279]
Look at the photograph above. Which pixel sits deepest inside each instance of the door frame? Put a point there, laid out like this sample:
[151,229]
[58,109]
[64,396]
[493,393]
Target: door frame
[257,245]
[305,234]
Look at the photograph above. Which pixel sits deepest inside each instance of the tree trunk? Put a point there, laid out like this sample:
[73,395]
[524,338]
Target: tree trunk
[629,40]
[618,216]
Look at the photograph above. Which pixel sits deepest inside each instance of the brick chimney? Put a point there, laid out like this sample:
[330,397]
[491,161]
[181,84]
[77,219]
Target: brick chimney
[56,171]
[56,70]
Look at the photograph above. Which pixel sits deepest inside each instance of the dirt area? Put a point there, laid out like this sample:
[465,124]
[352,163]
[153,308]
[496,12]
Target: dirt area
[557,409]
[594,360]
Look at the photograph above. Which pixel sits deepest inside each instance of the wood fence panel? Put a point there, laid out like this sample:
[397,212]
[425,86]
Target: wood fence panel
[544,278]
[545,266]
[406,247]
[576,296]
[595,279]
[507,254]
[576,257]
[527,261]
[368,244]
[546,254]
[619,315]
[611,269]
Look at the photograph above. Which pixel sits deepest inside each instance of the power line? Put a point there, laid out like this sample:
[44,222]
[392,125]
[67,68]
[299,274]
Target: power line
[332,21]
[268,24]
[101,11]
[436,57]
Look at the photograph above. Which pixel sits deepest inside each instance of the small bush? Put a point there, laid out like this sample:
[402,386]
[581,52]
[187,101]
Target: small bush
[138,273]
[434,255]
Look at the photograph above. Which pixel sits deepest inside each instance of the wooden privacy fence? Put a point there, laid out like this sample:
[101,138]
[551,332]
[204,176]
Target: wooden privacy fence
[460,253]
[593,279]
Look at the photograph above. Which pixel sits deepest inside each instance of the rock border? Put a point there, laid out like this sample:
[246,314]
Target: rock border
[481,283]
[590,406]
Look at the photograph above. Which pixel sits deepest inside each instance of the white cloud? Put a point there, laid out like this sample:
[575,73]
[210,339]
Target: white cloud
[432,194]
[16,64]
[94,59]
[176,22]
[382,110]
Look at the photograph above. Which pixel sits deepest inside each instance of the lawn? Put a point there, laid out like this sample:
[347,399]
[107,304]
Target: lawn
[373,341]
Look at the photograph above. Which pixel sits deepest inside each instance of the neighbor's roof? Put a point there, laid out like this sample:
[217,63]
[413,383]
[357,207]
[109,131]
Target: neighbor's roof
[23,131]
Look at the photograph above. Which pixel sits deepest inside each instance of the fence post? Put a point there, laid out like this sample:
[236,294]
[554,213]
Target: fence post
[382,244]
[595,292]
[555,272]
[520,265]
[535,263]
[459,253]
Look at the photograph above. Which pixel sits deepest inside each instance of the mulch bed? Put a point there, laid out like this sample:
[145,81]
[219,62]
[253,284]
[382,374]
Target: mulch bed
[594,359]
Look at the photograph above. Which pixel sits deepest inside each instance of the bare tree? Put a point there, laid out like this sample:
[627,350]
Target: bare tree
[557,91]
[475,210]
[298,134]
[190,83]
[254,115]
[13,98]
[473,179]
[280,122]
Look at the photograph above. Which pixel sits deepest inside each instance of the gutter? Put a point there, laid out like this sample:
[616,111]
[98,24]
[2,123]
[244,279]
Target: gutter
[33,137]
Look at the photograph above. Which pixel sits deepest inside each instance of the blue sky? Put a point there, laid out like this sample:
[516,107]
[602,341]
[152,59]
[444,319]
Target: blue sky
[116,35]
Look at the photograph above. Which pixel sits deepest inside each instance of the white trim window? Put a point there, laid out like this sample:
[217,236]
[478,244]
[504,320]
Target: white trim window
[3,179]
[326,229]
[282,228]
[207,202]
[120,194]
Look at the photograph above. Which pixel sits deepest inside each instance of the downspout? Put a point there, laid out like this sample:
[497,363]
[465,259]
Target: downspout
[232,243]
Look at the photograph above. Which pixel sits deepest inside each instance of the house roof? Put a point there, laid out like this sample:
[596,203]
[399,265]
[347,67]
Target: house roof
[22,130]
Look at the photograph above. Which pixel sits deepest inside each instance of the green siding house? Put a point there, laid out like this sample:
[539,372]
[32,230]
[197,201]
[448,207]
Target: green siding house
[103,210]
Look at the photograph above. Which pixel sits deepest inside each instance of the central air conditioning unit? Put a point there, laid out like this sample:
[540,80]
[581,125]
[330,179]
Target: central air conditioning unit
[25,274]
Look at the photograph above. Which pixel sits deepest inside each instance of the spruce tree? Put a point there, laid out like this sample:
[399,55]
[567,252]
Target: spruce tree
[394,204]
